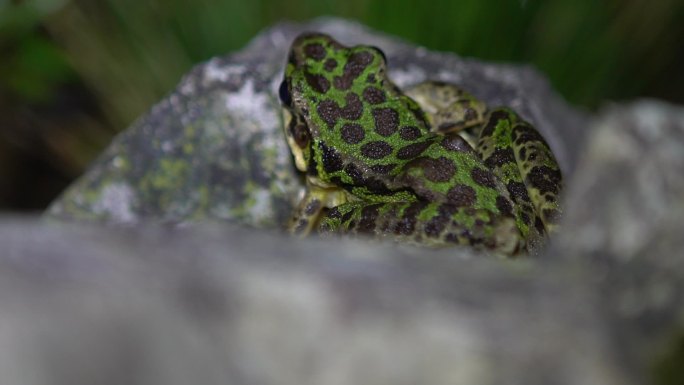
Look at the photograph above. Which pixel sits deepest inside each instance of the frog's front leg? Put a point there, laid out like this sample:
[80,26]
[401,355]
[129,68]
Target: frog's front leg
[426,223]
[309,209]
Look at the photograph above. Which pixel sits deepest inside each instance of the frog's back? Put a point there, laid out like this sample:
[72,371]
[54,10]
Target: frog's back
[359,121]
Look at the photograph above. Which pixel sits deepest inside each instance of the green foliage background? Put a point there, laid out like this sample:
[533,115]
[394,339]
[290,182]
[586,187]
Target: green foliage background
[74,72]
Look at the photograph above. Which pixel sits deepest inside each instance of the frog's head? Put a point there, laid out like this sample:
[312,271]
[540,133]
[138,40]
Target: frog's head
[326,86]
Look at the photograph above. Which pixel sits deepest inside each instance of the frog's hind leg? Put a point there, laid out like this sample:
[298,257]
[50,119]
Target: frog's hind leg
[518,154]
[540,171]
[448,107]
[426,224]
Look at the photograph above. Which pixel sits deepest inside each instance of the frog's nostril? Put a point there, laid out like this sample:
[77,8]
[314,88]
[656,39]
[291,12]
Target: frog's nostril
[284,94]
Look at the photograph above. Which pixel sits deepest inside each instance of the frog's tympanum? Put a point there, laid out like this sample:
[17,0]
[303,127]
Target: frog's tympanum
[429,165]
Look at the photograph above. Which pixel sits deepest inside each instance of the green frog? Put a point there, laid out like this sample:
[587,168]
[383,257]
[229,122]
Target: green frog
[429,165]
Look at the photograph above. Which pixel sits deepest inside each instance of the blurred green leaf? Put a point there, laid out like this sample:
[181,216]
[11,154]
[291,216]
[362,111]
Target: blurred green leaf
[35,69]
[19,18]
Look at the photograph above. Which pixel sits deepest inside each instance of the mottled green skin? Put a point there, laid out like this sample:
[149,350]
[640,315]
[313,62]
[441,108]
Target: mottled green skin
[371,156]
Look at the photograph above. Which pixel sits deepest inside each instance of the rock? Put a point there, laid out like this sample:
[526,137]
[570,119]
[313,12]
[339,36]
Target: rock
[214,148]
[624,221]
[225,305]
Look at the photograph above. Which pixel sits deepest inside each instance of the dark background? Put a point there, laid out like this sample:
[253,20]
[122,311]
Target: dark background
[74,73]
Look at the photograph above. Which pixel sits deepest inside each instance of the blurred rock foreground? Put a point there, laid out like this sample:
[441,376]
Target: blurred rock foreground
[165,264]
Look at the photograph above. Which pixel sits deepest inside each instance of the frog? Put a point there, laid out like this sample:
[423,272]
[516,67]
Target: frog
[428,165]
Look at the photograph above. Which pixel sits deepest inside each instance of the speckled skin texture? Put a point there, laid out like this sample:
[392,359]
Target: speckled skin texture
[394,167]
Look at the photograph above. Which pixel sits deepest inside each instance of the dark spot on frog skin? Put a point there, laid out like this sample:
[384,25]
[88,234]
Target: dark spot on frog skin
[461,195]
[500,157]
[407,224]
[525,218]
[370,79]
[383,169]
[523,133]
[376,150]
[413,150]
[386,121]
[331,159]
[376,186]
[317,82]
[456,143]
[545,179]
[522,153]
[409,133]
[354,108]
[434,227]
[315,51]
[368,216]
[352,133]
[334,213]
[354,173]
[357,62]
[329,111]
[438,170]
[483,177]
[330,64]
[504,205]
[518,191]
[493,120]
[347,216]
[312,207]
[373,95]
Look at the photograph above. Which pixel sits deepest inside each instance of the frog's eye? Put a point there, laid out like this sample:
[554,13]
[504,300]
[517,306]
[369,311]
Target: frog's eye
[284,94]
[379,52]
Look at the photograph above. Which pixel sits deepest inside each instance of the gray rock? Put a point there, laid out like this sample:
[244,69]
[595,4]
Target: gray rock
[223,305]
[214,148]
[217,303]
[624,221]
